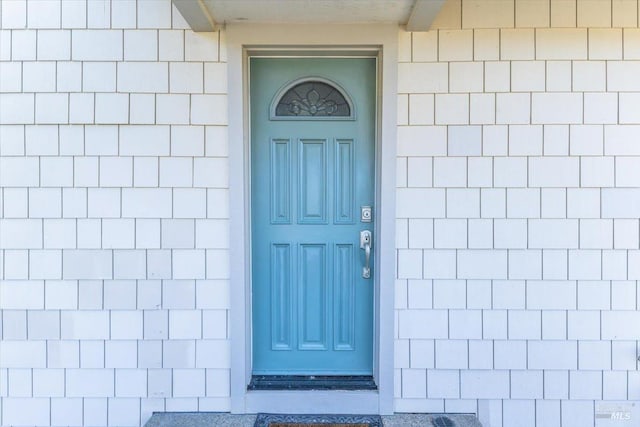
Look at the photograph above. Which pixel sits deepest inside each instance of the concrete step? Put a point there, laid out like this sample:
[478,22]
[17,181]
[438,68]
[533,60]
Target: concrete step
[216,419]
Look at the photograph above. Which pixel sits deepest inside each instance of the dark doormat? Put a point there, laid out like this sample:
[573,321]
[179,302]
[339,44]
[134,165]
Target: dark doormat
[312,382]
[289,420]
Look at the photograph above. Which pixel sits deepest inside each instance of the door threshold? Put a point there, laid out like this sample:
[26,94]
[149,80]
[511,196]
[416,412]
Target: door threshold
[312,382]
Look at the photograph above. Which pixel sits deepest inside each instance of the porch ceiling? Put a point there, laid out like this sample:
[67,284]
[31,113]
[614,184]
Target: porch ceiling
[209,15]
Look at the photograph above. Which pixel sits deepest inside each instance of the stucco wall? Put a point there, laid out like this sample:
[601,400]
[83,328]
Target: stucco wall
[518,231]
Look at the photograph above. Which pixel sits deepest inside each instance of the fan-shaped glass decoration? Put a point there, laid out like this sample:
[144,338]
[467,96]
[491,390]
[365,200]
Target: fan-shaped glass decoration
[311,99]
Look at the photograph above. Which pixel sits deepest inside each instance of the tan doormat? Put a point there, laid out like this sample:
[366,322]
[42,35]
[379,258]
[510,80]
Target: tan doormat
[316,425]
[308,420]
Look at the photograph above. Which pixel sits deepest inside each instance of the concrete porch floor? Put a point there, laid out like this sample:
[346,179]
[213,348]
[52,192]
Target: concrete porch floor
[212,419]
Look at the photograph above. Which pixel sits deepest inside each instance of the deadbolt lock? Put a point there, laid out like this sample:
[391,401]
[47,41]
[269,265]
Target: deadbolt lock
[366,214]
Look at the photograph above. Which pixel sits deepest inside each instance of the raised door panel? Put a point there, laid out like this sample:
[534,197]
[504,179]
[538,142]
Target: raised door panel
[282,298]
[312,181]
[344,307]
[344,179]
[313,297]
[280,171]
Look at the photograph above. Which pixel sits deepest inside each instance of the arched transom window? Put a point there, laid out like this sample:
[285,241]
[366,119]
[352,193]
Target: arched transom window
[312,98]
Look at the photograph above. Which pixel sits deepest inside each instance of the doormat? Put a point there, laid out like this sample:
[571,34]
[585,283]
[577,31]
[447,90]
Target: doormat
[316,425]
[290,420]
[312,382]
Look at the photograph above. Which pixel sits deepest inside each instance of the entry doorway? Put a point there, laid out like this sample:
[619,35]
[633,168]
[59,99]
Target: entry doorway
[313,214]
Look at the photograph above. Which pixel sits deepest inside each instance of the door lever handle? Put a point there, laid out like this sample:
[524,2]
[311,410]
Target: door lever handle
[366,240]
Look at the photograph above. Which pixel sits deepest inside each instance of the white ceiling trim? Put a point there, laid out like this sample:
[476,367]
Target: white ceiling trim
[197,15]
[423,14]
[210,15]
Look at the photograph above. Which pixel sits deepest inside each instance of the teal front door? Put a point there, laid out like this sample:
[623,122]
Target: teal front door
[312,194]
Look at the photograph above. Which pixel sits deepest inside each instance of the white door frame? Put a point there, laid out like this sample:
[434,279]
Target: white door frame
[245,40]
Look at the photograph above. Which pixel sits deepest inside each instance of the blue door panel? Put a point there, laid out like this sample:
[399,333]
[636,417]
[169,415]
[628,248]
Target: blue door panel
[312,309]
[281,298]
[313,297]
[280,172]
[344,304]
[344,191]
[312,181]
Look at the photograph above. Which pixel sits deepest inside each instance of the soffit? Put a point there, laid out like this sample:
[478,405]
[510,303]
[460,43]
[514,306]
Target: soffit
[209,15]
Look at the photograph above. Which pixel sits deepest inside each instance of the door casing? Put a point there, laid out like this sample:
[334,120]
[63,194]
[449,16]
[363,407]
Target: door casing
[244,41]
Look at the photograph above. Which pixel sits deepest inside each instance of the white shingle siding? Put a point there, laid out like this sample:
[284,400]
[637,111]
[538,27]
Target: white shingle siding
[541,121]
[106,284]
[517,212]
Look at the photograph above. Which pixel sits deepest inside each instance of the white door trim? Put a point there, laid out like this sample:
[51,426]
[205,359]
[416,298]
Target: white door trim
[311,40]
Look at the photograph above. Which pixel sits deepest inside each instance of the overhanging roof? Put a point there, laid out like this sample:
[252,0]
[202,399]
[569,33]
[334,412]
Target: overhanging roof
[210,15]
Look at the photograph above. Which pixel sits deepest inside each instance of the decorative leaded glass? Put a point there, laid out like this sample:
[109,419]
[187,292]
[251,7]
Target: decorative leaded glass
[313,99]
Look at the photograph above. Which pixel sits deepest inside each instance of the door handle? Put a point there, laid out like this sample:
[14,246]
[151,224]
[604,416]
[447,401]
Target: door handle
[366,240]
